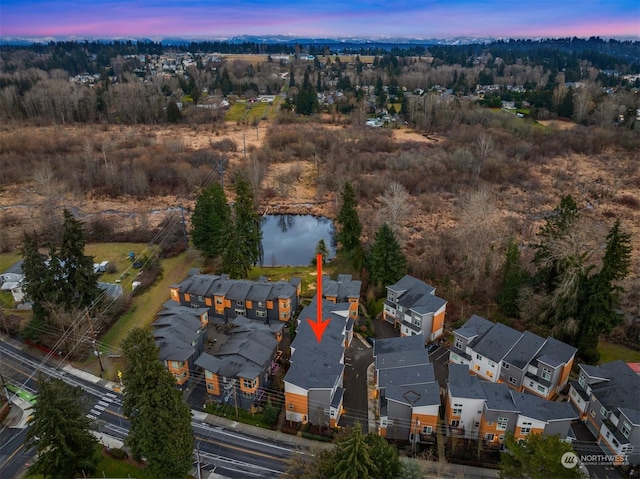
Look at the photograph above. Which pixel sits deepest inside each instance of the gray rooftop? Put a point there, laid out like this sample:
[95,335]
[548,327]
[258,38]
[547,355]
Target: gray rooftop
[392,345]
[343,288]
[313,364]
[399,359]
[415,395]
[462,384]
[498,397]
[541,409]
[622,390]
[474,326]
[15,268]
[525,350]
[496,342]
[406,376]
[407,283]
[555,353]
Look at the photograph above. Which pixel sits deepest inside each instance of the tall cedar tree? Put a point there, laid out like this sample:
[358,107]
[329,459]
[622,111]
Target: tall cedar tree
[386,263]
[209,219]
[350,228]
[66,279]
[513,277]
[352,457]
[59,432]
[599,307]
[307,98]
[247,221]
[537,457]
[160,428]
[233,260]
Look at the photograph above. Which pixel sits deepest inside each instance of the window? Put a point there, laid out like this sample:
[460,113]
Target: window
[593,413]
[290,405]
[525,428]
[417,322]
[261,314]
[489,436]
[546,374]
[477,367]
[247,395]
[625,429]
[457,409]
[249,383]
[502,423]
[455,423]
[383,422]
[626,449]
[208,374]
[427,430]
[490,423]
[210,387]
[200,299]
[603,411]
[194,306]
[582,382]
[478,357]
[505,365]
[513,380]
[574,393]
[476,424]
[224,380]
[490,374]
[239,312]
[492,364]
[530,384]
[239,303]
[541,389]
[219,301]
[501,437]
[260,304]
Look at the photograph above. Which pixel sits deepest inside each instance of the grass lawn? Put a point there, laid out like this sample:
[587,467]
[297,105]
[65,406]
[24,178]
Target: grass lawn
[257,112]
[109,467]
[146,305]
[275,107]
[8,259]
[117,254]
[612,352]
[236,112]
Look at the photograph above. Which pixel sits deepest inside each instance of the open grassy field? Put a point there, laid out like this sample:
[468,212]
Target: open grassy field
[118,255]
[8,259]
[613,352]
[237,111]
[246,112]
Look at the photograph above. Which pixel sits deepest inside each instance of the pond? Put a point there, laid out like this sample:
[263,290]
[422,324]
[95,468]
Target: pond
[291,240]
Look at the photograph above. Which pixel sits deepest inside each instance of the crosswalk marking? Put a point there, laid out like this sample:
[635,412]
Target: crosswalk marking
[90,416]
[103,403]
[99,408]
[111,395]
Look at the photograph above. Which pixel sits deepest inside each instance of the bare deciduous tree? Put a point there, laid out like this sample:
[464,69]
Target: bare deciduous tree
[396,204]
[484,146]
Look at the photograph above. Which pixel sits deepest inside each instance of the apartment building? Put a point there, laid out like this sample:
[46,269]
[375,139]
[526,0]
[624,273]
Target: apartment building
[313,385]
[607,397]
[525,361]
[413,307]
[477,409]
[227,298]
[408,396]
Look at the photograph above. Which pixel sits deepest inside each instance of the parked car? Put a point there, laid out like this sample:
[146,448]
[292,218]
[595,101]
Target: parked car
[432,347]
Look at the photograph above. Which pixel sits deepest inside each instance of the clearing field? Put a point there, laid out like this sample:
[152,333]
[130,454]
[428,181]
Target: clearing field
[244,111]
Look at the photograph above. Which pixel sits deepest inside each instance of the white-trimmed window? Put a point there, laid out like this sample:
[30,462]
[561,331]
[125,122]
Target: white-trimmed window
[505,365]
[489,436]
[457,409]
[458,343]
[513,380]
[200,299]
[502,423]
[542,389]
[239,303]
[625,429]
[261,314]
[603,411]
[219,301]
[427,430]
[526,428]
[546,374]
[239,312]
[249,383]
[582,381]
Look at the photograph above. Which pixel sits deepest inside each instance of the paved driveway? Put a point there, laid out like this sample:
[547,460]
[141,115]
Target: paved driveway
[357,358]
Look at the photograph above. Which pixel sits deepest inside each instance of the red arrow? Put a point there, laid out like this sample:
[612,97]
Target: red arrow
[319,325]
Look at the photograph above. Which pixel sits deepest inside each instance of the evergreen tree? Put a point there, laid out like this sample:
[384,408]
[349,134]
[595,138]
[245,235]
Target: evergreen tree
[350,227]
[352,457]
[160,421]
[65,280]
[59,432]
[233,260]
[601,296]
[321,248]
[385,457]
[247,221]
[513,277]
[209,219]
[174,115]
[386,263]
[537,457]
[307,98]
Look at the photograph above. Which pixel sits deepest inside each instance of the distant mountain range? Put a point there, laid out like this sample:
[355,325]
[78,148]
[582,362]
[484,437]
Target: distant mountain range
[259,39]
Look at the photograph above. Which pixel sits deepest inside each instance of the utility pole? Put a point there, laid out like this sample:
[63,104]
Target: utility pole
[198,460]
[93,334]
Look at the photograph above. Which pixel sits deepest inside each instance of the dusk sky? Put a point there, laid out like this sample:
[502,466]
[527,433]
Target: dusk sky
[327,18]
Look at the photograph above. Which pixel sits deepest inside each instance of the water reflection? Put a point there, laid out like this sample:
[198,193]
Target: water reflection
[292,239]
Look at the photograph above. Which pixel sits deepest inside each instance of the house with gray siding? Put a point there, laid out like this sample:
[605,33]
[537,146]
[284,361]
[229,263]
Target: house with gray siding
[607,397]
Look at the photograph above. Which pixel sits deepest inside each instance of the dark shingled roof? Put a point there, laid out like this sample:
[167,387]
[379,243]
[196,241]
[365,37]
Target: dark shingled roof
[496,342]
[392,345]
[525,350]
[474,326]
[343,288]
[622,390]
[462,384]
[408,282]
[541,409]
[554,353]
[498,397]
